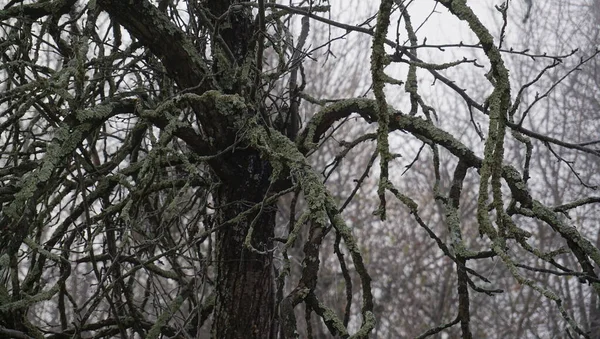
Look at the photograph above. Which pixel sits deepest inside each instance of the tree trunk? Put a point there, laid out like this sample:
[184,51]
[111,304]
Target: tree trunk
[244,305]
[244,286]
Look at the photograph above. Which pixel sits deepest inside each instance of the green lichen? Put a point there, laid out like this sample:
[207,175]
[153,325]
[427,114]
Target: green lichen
[512,268]
[95,113]
[453,221]
[275,147]
[378,62]
[63,144]
[368,324]
[568,232]
[155,330]
[29,301]
[227,73]
[499,102]
[330,318]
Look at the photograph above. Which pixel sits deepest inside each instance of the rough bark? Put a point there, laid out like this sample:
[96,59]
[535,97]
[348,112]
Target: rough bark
[245,281]
[245,290]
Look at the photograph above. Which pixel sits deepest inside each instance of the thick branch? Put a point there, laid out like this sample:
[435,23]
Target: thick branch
[154,30]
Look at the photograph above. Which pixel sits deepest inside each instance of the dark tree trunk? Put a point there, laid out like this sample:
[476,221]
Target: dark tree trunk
[245,290]
[245,284]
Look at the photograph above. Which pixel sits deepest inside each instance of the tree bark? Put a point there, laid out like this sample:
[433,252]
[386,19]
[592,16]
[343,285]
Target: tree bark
[245,283]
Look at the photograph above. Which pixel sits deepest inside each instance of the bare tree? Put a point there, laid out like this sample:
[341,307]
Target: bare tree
[147,148]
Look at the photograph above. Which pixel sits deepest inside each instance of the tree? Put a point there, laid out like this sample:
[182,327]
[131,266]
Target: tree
[146,146]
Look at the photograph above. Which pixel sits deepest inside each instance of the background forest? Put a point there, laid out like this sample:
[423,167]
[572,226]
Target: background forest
[299,169]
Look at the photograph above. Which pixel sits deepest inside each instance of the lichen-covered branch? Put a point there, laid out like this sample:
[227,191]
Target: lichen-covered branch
[378,63]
